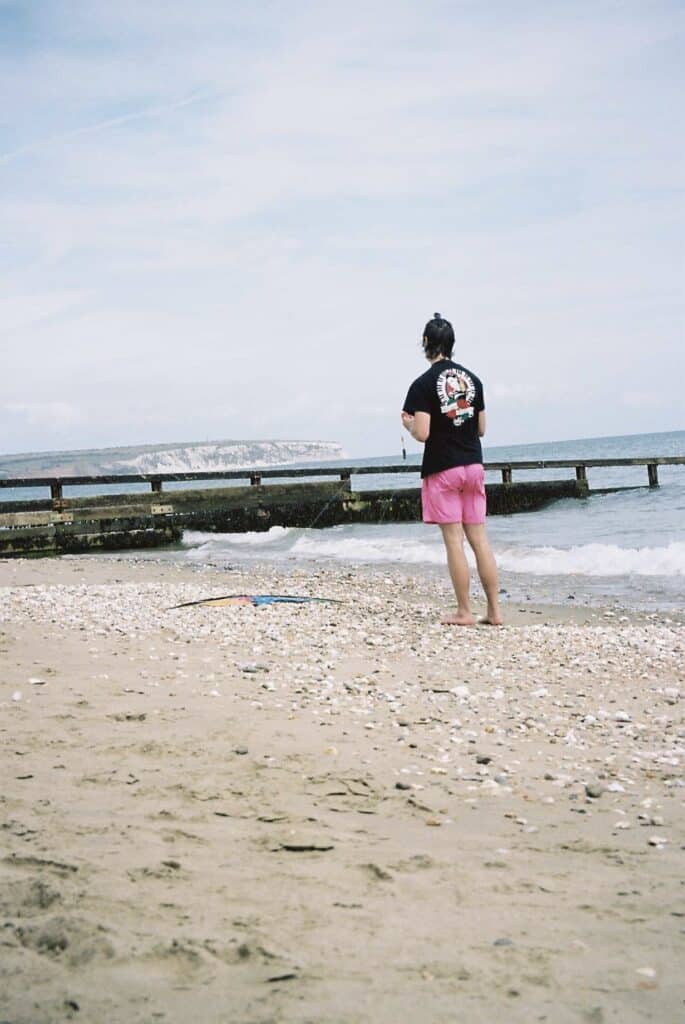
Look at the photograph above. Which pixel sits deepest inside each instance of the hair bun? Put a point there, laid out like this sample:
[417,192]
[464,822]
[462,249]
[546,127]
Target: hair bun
[437,316]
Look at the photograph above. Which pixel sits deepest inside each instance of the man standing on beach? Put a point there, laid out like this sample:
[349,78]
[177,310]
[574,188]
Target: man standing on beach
[445,410]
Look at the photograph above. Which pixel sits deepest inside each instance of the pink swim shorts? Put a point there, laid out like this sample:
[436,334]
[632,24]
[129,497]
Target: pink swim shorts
[456,495]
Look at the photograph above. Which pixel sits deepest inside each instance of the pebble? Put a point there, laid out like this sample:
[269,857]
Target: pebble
[305,845]
[376,871]
[541,684]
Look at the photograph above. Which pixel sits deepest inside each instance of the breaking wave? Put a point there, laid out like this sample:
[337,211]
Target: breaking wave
[366,545]
[596,560]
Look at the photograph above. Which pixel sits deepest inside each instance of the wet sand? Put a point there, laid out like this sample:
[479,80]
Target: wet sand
[333,812]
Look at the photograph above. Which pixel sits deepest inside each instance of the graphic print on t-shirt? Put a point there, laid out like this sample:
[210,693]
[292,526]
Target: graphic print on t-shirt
[456,391]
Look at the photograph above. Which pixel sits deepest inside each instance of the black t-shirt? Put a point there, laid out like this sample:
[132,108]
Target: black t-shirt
[453,396]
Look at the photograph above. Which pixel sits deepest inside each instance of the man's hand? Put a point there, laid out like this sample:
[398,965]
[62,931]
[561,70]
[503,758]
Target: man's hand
[418,425]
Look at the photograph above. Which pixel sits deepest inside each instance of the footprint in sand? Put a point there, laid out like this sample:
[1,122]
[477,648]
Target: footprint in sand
[75,940]
[26,896]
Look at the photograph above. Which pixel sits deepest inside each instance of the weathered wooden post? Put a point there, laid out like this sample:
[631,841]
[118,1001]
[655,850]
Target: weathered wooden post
[35,527]
[56,495]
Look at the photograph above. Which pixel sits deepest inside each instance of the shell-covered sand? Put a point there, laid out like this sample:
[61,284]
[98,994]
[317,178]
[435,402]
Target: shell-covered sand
[332,812]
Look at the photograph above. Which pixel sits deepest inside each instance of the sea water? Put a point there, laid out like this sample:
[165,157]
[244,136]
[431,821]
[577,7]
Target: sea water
[625,549]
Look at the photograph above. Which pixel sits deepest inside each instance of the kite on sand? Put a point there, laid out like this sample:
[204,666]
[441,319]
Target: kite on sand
[256,600]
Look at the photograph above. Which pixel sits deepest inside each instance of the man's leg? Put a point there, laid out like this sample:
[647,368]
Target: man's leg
[487,569]
[453,536]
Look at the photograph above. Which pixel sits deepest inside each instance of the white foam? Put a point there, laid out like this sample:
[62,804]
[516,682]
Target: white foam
[595,560]
[200,548]
[205,541]
[374,545]
[368,549]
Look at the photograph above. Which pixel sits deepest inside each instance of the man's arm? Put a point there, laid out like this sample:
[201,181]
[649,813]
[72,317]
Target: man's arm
[481,423]
[418,425]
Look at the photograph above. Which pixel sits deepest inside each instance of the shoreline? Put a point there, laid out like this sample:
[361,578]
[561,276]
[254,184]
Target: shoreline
[516,589]
[333,812]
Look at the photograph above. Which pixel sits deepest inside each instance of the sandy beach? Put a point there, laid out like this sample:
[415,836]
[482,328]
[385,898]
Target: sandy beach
[333,812]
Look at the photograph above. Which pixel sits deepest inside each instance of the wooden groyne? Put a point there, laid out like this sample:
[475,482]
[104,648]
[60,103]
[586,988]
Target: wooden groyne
[111,521]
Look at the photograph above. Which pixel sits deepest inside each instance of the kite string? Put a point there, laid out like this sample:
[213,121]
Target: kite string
[334,497]
[343,487]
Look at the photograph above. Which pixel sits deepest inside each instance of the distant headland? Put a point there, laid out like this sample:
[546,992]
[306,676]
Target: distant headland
[179,457]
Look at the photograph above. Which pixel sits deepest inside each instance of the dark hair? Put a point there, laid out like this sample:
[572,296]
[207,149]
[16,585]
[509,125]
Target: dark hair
[438,337]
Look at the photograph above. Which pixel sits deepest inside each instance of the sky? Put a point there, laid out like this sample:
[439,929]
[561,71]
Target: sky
[225,220]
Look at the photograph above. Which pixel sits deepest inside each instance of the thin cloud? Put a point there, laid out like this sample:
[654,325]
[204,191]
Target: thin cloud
[332,178]
[51,415]
[111,122]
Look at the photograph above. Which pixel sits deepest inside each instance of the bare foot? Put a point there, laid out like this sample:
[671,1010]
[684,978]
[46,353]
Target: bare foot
[491,620]
[459,620]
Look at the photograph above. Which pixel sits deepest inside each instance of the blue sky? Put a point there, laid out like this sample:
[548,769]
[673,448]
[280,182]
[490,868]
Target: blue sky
[227,222]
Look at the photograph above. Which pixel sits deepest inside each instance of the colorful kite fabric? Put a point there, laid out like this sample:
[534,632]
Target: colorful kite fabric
[256,600]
